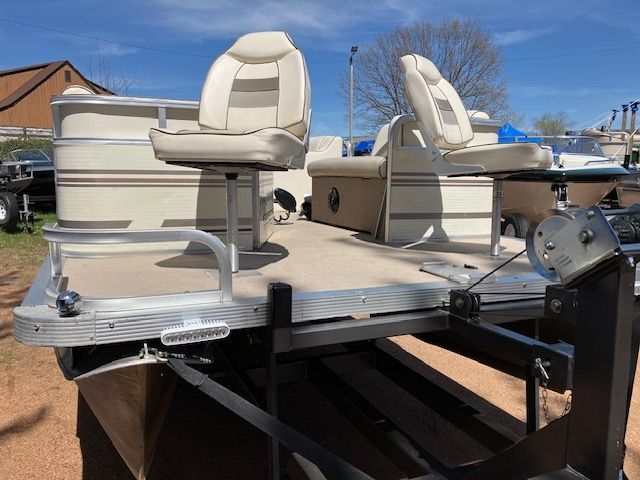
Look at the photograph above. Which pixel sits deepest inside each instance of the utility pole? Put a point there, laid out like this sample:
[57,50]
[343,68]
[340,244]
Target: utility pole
[354,49]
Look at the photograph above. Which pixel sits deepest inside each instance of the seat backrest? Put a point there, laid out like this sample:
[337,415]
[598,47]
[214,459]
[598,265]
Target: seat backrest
[326,145]
[77,90]
[260,82]
[435,103]
[382,140]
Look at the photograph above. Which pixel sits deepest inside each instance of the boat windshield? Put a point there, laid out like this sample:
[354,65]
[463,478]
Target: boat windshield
[573,145]
[33,155]
[561,144]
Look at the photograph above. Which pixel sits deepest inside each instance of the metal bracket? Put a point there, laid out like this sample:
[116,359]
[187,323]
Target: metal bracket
[279,299]
[560,303]
[464,304]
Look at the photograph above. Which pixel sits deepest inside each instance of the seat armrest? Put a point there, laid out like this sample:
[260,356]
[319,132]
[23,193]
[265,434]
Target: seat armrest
[354,167]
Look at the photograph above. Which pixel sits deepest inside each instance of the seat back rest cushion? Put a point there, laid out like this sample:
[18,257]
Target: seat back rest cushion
[261,81]
[382,140]
[435,103]
[326,144]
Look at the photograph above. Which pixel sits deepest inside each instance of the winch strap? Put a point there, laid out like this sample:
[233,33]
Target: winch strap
[331,465]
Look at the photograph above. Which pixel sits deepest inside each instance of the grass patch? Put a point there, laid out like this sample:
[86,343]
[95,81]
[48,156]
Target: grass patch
[18,248]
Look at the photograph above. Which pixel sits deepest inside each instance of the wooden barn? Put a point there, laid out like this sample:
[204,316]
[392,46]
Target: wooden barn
[25,92]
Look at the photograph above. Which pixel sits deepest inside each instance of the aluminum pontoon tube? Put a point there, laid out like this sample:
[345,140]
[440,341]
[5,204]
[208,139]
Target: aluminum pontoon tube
[496,217]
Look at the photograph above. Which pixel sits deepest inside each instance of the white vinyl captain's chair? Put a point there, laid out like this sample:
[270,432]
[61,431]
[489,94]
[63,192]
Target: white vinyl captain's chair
[254,115]
[439,111]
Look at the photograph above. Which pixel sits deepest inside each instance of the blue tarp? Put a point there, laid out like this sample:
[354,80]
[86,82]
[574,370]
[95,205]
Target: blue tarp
[510,134]
[363,147]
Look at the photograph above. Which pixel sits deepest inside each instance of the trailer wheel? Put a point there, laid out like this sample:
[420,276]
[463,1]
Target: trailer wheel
[515,225]
[9,210]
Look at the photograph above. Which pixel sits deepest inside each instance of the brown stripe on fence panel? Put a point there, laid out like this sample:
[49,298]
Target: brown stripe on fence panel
[190,222]
[410,183]
[94,224]
[195,181]
[413,174]
[143,185]
[434,216]
[88,171]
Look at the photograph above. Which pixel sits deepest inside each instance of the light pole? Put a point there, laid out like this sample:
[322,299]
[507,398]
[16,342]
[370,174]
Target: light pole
[354,49]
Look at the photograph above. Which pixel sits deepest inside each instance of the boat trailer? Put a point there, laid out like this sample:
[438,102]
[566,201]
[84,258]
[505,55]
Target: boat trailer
[595,296]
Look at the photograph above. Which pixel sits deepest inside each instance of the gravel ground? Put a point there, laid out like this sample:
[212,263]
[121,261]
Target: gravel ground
[47,431]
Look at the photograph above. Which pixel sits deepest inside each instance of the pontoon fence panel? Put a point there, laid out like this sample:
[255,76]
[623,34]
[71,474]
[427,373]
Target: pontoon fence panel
[108,177]
[424,204]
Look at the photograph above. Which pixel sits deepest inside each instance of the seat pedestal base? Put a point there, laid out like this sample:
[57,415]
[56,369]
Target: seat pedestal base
[496,217]
[232,219]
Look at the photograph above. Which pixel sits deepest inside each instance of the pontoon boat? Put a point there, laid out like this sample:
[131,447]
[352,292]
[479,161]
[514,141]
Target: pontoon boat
[135,295]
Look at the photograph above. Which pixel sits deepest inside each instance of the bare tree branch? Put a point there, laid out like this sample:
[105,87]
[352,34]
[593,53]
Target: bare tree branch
[100,72]
[461,49]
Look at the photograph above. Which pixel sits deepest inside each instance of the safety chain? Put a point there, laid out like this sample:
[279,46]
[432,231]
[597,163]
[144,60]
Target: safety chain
[545,406]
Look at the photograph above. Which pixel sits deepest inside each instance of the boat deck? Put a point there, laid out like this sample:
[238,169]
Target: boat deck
[334,273]
[311,257]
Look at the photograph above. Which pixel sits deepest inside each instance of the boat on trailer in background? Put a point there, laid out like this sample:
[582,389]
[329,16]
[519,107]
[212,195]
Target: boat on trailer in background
[577,158]
[140,290]
[26,178]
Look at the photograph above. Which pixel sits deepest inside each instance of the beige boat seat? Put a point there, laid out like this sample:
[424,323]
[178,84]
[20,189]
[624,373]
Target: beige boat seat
[478,114]
[254,115]
[373,165]
[325,146]
[254,110]
[77,90]
[356,183]
[439,109]
[297,182]
[495,158]
[440,112]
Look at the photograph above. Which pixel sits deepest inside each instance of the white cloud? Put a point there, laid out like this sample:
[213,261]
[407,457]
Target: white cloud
[521,35]
[330,19]
[114,50]
[530,91]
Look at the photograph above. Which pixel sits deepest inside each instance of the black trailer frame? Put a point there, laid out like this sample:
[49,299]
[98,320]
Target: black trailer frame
[587,442]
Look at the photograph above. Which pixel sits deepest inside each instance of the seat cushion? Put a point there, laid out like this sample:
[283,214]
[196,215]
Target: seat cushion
[503,157]
[354,167]
[271,147]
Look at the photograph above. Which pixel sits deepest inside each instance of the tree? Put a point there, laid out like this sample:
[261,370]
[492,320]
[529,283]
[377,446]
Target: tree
[100,72]
[462,50]
[512,115]
[552,123]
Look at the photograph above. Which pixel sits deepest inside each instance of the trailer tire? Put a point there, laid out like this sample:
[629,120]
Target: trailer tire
[9,210]
[515,225]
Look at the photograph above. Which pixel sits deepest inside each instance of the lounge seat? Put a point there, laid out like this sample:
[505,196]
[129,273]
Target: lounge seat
[254,115]
[342,185]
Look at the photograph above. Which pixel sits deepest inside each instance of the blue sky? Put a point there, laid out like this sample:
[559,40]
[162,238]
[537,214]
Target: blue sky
[596,44]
